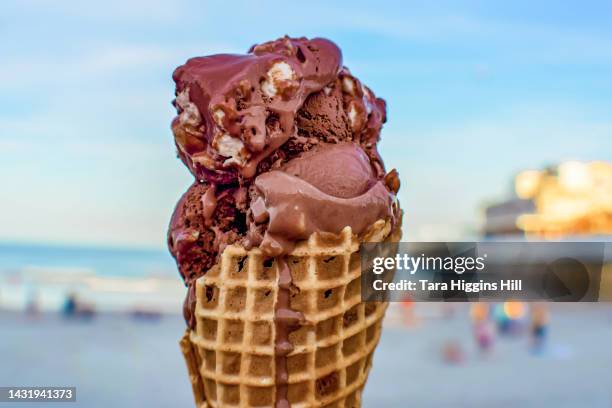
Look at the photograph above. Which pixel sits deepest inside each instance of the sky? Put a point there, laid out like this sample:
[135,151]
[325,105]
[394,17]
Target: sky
[476,91]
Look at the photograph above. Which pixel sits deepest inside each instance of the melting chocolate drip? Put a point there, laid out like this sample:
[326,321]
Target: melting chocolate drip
[189,306]
[286,321]
[209,203]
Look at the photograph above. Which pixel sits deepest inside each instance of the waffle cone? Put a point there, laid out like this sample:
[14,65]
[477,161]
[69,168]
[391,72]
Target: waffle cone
[231,353]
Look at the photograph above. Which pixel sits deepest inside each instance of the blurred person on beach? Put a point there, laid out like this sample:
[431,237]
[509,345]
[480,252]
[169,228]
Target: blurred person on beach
[539,327]
[484,332]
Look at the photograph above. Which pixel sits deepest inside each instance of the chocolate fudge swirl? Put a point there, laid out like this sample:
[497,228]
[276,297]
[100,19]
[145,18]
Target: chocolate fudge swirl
[286,320]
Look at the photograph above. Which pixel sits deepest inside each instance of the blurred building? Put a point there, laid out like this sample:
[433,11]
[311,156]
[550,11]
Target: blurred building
[573,198]
[501,218]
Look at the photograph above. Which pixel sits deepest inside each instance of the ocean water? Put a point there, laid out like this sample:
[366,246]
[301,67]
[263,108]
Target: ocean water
[43,277]
[101,261]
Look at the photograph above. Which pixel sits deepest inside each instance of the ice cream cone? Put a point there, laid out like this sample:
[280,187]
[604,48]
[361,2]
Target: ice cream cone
[231,355]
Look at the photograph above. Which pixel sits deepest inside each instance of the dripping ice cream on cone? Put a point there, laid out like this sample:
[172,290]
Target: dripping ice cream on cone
[282,142]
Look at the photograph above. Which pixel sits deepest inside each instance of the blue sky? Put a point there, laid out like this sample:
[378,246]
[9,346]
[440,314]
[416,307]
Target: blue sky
[476,91]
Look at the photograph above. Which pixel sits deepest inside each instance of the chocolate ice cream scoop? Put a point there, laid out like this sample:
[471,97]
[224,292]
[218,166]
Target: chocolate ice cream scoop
[325,190]
[322,117]
[205,220]
[237,114]
[234,110]
[339,170]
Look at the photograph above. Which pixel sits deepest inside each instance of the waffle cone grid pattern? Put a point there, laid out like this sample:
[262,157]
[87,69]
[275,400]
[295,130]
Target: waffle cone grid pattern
[231,356]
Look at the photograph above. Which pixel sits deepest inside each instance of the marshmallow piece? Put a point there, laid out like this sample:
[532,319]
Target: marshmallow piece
[348,85]
[190,114]
[352,115]
[218,116]
[356,113]
[230,147]
[278,75]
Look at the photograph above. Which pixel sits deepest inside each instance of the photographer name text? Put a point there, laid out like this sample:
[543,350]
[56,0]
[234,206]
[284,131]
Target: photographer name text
[454,285]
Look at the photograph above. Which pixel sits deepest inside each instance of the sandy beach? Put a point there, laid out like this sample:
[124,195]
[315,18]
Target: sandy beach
[118,360]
